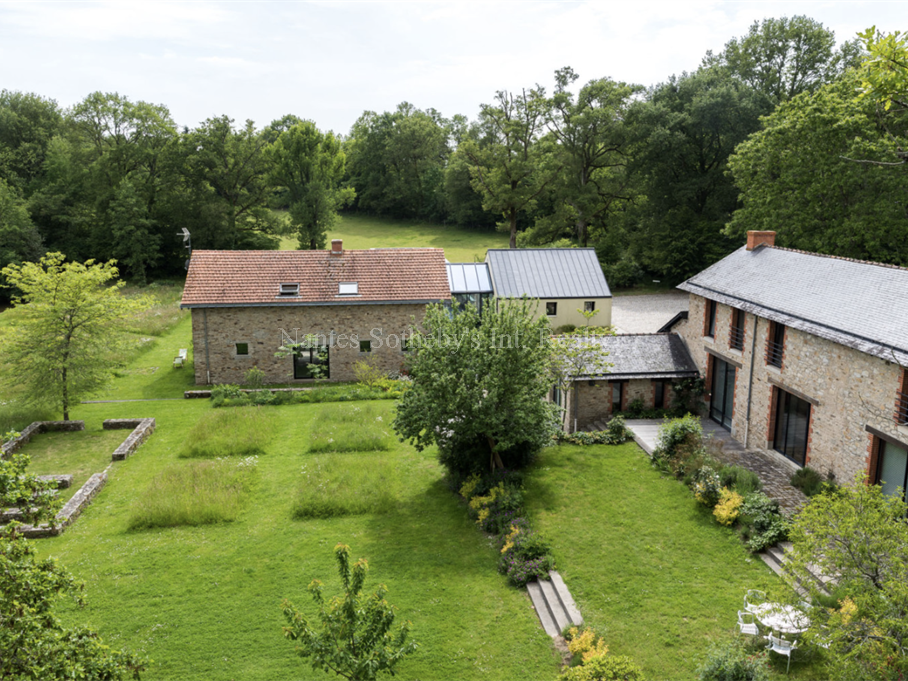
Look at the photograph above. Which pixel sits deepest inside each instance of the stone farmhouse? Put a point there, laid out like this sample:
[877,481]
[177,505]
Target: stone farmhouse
[356,303]
[805,357]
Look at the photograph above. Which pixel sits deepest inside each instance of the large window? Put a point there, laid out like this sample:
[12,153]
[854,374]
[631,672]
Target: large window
[709,324]
[617,396]
[892,468]
[722,400]
[792,426]
[901,412]
[736,335]
[311,363]
[775,344]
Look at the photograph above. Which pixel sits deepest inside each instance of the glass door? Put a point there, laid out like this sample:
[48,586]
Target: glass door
[722,404]
[892,471]
[792,426]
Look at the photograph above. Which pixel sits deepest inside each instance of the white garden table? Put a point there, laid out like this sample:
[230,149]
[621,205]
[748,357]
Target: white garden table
[785,619]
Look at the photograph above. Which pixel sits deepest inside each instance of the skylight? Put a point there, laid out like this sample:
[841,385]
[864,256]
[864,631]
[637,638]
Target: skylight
[348,288]
[290,289]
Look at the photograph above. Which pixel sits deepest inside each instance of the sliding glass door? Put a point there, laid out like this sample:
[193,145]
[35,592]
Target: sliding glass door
[892,469]
[792,426]
[722,403]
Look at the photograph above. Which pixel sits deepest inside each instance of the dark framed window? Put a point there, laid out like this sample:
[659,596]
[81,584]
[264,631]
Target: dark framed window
[556,396]
[404,344]
[792,431]
[736,334]
[892,468]
[722,390]
[589,306]
[617,395]
[775,344]
[901,412]
[242,348]
[365,346]
[311,363]
[709,325]
[658,394]
[551,309]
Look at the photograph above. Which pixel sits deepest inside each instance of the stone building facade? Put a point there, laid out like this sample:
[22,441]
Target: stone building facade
[800,349]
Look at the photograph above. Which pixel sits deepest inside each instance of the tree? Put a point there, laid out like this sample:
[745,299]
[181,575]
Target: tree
[353,638]
[310,165]
[860,535]
[19,240]
[784,57]
[34,642]
[578,354]
[66,344]
[27,124]
[478,386]
[843,208]
[884,71]
[508,163]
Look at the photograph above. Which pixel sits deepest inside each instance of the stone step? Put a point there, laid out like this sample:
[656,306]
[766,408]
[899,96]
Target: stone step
[559,614]
[564,596]
[774,557]
[542,609]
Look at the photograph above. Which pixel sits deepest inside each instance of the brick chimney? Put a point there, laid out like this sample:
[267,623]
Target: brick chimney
[337,246]
[755,239]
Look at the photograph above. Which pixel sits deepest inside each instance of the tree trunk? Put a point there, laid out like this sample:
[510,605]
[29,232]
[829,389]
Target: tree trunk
[513,221]
[494,459]
[65,397]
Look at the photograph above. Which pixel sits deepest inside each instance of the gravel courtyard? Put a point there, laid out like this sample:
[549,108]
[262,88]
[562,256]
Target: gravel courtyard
[646,313]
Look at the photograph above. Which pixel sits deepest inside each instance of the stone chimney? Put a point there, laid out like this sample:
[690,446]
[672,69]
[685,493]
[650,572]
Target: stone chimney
[337,246]
[755,239]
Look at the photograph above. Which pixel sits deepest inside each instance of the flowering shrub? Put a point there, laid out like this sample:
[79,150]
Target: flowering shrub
[595,662]
[707,486]
[492,509]
[726,511]
[521,571]
[586,644]
[732,663]
[762,521]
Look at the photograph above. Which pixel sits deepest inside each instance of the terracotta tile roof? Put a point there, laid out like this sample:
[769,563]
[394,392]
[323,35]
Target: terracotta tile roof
[383,275]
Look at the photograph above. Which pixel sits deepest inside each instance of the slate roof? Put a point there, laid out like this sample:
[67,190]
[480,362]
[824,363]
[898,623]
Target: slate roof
[547,273]
[253,278]
[650,355]
[469,277]
[858,304]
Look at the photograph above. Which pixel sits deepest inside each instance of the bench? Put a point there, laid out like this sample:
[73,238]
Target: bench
[179,359]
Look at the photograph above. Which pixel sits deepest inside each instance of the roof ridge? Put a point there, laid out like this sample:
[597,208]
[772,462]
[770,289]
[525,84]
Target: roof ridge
[837,257]
[542,248]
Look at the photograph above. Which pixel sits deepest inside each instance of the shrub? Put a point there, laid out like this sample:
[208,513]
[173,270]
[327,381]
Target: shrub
[730,662]
[493,510]
[811,482]
[728,508]
[354,485]
[368,374]
[740,479]
[521,542]
[585,645]
[254,378]
[604,668]
[195,493]
[614,435]
[463,457]
[349,429]
[617,429]
[521,571]
[244,432]
[563,329]
[707,487]
[635,409]
[688,396]
[762,522]
[680,440]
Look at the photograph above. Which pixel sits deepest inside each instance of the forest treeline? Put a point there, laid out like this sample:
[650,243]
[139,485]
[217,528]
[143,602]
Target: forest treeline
[770,133]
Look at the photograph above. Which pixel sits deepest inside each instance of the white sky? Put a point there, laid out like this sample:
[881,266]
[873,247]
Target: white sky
[330,61]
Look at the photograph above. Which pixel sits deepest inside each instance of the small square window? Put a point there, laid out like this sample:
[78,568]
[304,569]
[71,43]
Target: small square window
[348,288]
[242,348]
[365,346]
[551,309]
[404,344]
[589,306]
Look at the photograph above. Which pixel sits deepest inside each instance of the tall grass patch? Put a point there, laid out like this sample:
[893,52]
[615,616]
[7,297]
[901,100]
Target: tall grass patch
[195,493]
[352,485]
[238,432]
[164,312]
[346,428]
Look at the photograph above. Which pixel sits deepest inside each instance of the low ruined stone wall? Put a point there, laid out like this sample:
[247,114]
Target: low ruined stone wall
[70,511]
[35,428]
[142,429]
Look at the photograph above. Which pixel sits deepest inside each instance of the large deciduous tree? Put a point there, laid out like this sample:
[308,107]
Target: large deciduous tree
[309,164]
[479,386]
[19,240]
[66,343]
[509,165]
[796,178]
[28,122]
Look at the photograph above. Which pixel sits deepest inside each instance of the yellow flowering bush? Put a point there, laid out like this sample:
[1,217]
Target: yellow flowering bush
[469,486]
[729,506]
[586,644]
[510,538]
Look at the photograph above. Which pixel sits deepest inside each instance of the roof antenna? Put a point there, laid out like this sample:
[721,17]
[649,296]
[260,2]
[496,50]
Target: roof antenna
[187,240]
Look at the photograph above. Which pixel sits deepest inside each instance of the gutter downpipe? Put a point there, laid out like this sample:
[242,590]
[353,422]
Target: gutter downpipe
[207,364]
[750,382]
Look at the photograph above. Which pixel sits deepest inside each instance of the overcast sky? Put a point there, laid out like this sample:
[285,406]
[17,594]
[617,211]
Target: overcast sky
[330,61]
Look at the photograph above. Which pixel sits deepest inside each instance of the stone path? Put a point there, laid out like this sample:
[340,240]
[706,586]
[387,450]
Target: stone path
[554,605]
[646,313]
[774,474]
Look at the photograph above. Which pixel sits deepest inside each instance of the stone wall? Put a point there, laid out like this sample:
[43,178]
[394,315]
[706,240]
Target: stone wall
[264,328]
[35,428]
[71,510]
[142,429]
[594,402]
[849,389]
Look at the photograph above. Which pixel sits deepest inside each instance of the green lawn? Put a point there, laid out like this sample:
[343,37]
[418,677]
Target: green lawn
[360,232]
[648,566]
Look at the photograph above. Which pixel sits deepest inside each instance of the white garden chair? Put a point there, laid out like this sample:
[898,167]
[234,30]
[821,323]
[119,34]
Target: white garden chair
[747,624]
[778,644]
[753,598]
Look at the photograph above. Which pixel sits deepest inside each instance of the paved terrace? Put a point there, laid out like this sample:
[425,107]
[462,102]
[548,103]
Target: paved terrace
[774,474]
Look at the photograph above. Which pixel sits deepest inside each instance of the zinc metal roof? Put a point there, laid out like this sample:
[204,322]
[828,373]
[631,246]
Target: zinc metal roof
[858,304]
[469,277]
[547,273]
[651,355]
